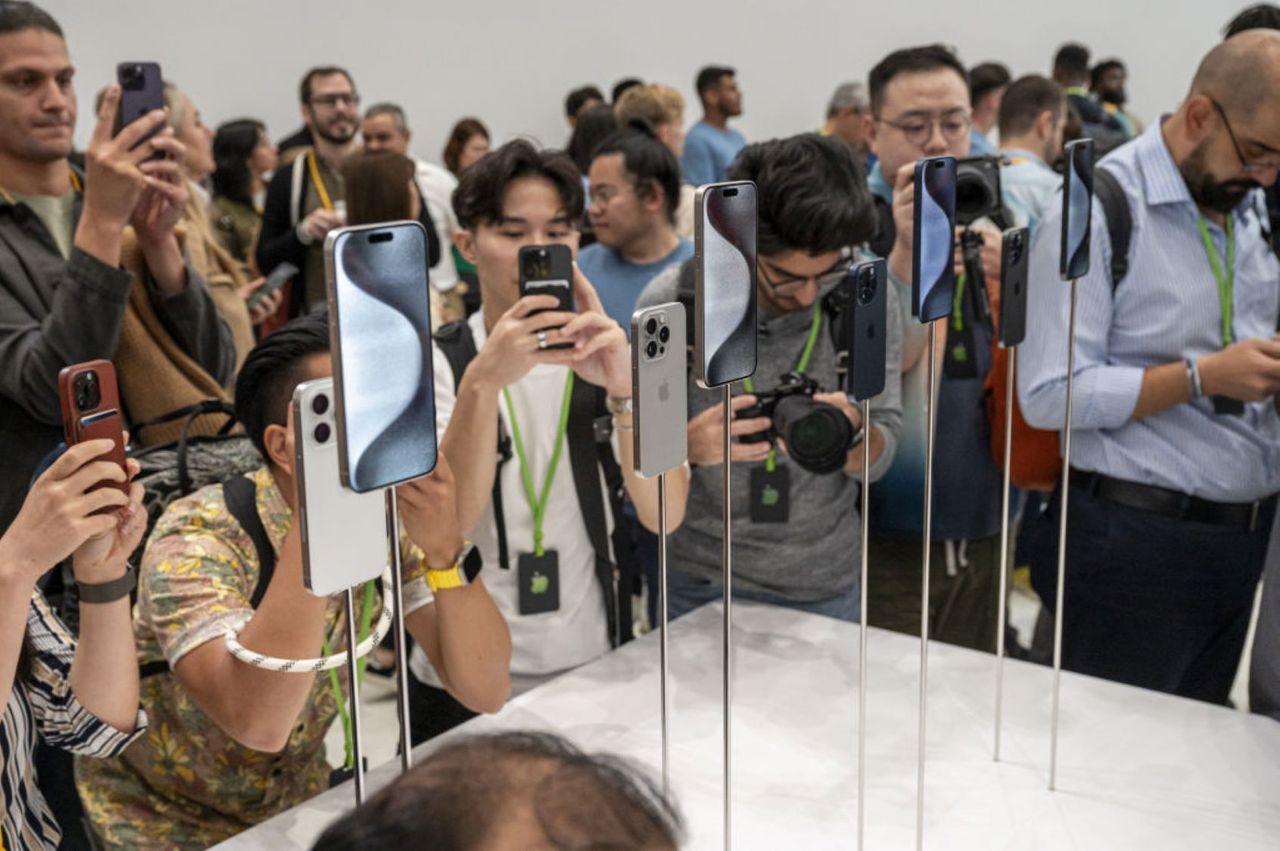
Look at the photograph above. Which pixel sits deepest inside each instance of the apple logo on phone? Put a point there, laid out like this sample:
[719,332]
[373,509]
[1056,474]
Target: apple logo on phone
[664,391]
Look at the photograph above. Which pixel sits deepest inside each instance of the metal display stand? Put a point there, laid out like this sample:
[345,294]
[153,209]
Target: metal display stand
[1064,492]
[1002,602]
[930,417]
[664,673]
[726,558]
[353,696]
[862,629]
[402,654]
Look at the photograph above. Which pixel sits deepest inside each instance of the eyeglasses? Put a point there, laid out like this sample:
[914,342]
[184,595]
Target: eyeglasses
[791,284]
[330,101]
[918,129]
[1247,166]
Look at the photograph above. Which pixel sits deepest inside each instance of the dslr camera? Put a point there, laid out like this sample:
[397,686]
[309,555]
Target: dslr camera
[818,435]
[977,197]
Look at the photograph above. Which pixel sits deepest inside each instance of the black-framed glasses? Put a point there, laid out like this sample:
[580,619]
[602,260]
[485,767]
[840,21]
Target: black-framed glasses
[1247,166]
[917,129]
[330,101]
[790,284]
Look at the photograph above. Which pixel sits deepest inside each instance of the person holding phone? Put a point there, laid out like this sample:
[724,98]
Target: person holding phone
[1175,436]
[538,490]
[63,293]
[798,544]
[78,696]
[231,744]
[920,107]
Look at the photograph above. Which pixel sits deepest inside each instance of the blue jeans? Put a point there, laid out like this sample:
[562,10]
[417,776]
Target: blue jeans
[686,593]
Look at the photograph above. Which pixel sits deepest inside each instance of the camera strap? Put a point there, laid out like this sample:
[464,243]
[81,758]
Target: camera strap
[801,365]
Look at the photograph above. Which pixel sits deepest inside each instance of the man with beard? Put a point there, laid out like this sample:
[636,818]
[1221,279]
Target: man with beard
[1107,81]
[306,198]
[1176,442]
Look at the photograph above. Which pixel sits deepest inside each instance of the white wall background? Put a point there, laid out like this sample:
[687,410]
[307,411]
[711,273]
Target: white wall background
[511,63]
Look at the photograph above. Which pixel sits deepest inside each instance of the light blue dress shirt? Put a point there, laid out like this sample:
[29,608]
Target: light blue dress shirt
[1165,309]
[1028,187]
[979,144]
[708,152]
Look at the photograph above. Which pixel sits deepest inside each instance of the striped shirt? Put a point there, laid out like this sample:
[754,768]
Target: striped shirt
[43,705]
[1164,310]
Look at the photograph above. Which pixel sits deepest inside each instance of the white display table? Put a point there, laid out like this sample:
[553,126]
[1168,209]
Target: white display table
[1136,769]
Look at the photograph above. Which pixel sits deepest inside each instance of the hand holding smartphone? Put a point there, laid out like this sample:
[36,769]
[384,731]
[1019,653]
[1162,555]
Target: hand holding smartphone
[280,275]
[725,282]
[548,270]
[661,402]
[1077,209]
[867,284]
[933,277]
[90,404]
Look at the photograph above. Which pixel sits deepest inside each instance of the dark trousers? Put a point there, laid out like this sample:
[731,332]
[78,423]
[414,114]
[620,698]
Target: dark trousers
[1150,600]
[433,711]
[962,589]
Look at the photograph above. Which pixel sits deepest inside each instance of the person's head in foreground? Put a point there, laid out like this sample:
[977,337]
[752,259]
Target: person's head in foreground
[522,791]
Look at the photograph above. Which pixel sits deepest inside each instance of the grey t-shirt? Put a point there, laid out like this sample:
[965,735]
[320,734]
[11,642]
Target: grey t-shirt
[815,555]
[57,213]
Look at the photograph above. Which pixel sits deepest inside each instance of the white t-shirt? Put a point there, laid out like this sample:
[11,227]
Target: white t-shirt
[547,643]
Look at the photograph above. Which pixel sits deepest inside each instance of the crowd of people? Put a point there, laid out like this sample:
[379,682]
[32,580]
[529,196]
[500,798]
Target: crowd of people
[160,247]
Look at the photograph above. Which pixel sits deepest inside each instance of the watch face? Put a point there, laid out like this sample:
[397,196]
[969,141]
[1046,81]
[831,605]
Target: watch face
[471,562]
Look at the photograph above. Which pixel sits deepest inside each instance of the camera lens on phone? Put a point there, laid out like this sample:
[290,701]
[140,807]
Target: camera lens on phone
[322,433]
[87,392]
[651,327]
[651,349]
[664,334]
[320,404]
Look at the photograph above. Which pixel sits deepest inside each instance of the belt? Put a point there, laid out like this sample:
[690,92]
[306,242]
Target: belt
[1171,503]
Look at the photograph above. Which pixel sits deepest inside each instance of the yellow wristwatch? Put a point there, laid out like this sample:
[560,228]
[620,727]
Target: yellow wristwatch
[458,575]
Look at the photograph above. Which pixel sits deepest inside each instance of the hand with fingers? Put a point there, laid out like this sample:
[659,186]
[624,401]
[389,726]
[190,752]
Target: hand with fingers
[429,510]
[600,354]
[520,340]
[115,179]
[706,434]
[60,516]
[1248,370]
[266,307]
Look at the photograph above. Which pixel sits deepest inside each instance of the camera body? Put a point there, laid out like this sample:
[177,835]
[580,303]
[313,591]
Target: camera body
[818,435]
[978,190]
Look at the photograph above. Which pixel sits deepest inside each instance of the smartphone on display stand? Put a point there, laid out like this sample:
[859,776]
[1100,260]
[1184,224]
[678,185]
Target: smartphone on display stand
[1077,208]
[867,285]
[548,270]
[141,92]
[658,362]
[724,282]
[90,404]
[380,325]
[1013,286]
[280,275]
[933,274]
[344,533]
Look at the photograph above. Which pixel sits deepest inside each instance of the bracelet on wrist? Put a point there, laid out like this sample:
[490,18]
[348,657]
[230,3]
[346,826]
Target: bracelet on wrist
[108,592]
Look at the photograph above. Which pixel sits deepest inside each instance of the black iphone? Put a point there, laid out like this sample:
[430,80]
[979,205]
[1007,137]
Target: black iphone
[548,270]
[866,284]
[141,92]
[1013,287]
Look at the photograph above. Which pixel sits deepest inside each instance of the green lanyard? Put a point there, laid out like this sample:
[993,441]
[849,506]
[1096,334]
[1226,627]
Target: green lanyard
[957,305]
[771,462]
[538,502]
[1226,281]
[366,617]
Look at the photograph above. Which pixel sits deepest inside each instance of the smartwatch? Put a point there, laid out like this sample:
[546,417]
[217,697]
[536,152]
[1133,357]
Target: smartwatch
[465,568]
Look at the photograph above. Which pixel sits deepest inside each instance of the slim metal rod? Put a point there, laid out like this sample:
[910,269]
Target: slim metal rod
[726,556]
[863,614]
[1002,599]
[353,691]
[1064,494]
[402,653]
[930,417]
[662,638]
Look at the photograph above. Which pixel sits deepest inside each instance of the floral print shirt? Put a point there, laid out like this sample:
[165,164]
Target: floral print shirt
[187,783]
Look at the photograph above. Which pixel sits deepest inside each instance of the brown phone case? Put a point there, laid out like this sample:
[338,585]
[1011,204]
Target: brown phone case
[101,419]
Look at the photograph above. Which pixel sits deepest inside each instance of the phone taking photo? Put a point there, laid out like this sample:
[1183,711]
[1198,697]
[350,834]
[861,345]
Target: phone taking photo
[659,348]
[380,325]
[548,270]
[866,285]
[933,274]
[1077,209]
[1013,287]
[344,533]
[141,93]
[725,282]
[90,404]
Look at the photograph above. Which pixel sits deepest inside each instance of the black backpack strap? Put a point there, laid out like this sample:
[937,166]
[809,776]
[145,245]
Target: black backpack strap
[459,346]
[241,496]
[1115,205]
[886,231]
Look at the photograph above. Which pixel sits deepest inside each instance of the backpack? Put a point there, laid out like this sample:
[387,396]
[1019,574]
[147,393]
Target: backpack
[1036,460]
[588,436]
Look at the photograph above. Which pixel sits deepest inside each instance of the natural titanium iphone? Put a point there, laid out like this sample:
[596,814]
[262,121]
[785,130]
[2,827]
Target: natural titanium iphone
[658,361]
[725,282]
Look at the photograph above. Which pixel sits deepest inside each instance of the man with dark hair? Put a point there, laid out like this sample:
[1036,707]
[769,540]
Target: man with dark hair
[623,86]
[1107,81]
[513,790]
[987,84]
[1261,16]
[1033,117]
[1175,430]
[525,395]
[63,291]
[798,545]
[635,189]
[711,144]
[581,99]
[920,108]
[306,198]
[231,744]
[1071,71]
